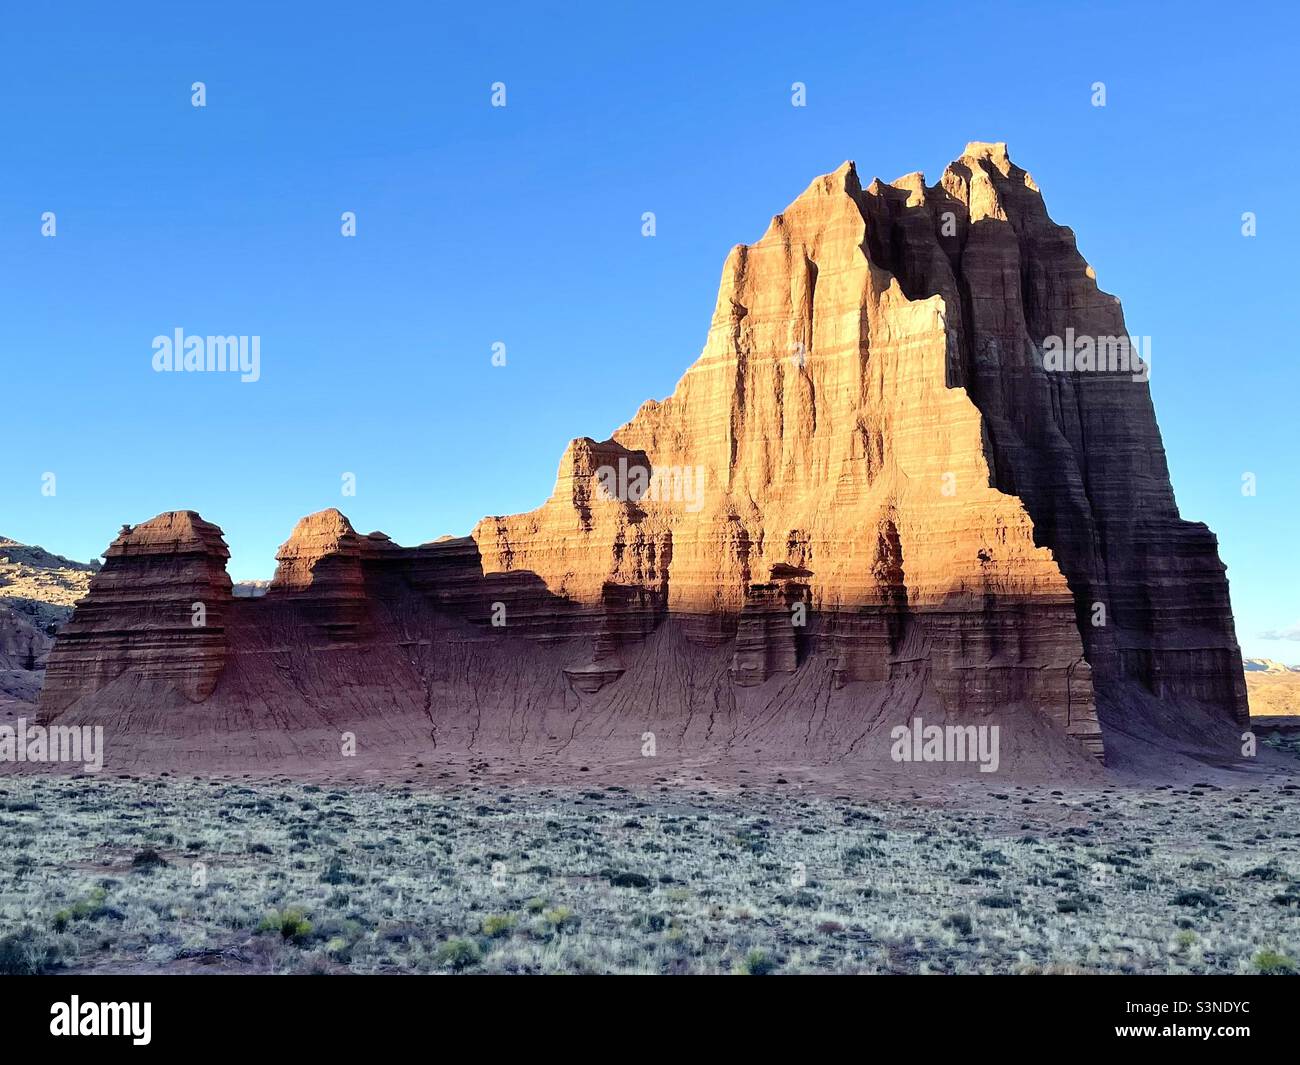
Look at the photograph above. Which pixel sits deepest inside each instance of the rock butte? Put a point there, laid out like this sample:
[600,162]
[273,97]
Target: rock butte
[868,444]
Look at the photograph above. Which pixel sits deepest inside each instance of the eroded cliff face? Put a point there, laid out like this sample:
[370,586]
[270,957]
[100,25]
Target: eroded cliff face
[156,610]
[868,496]
[1082,450]
[37,592]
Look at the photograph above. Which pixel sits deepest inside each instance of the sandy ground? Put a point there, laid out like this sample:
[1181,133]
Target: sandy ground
[1273,694]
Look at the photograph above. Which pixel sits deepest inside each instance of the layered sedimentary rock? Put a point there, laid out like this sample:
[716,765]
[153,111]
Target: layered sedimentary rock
[23,651]
[320,573]
[1080,449]
[872,494]
[156,610]
[770,627]
[22,645]
[820,428]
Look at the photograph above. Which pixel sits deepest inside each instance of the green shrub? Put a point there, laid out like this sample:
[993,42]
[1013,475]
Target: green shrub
[459,954]
[291,923]
[1271,963]
[498,924]
[757,963]
[560,917]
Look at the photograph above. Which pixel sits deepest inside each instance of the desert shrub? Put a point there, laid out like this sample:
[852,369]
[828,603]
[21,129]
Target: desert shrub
[757,963]
[959,923]
[560,917]
[336,874]
[91,908]
[1193,898]
[147,861]
[1271,963]
[459,954]
[291,923]
[27,953]
[803,900]
[498,924]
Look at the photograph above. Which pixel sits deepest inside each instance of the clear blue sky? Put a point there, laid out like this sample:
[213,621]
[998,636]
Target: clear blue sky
[522,225]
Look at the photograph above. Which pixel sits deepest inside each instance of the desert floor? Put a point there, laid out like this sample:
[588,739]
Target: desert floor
[101,874]
[1273,693]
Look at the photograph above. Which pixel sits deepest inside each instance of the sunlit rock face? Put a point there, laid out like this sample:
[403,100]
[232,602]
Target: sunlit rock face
[874,491]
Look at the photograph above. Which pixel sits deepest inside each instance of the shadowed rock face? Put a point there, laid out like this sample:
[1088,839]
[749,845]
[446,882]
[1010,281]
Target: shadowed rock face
[156,610]
[868,497]
[1081,450]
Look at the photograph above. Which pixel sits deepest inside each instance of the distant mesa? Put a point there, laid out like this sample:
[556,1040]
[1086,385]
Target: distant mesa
[1268,665]
[37,593]
[1274,691]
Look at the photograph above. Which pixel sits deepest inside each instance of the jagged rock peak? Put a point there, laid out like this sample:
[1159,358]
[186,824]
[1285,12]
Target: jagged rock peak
[994,151]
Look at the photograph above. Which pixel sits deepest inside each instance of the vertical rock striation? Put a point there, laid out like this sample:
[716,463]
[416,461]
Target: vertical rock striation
[872,492]
[1081,449]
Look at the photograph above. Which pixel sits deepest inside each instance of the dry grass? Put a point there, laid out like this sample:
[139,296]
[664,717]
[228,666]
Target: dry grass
[175,876]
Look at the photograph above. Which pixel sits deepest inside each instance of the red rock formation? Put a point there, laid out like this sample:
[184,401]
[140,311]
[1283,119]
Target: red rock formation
[769,631]
[1081,450]
[868,496]
[156,610]
[320,572]
[820,423]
